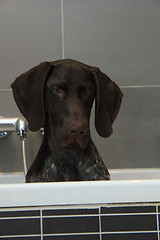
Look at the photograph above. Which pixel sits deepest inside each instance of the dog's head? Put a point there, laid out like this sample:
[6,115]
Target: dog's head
[59,96]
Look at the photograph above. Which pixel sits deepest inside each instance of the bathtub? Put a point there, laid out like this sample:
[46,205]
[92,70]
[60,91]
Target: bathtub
[127,207]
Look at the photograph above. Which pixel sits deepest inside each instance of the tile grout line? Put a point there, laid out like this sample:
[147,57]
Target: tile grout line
[41,224]
[130,232]
[157,221]
[62,28]
[100,228]
[140,86]
[19,236]
[63,56]
[5,90]
[76,234]
[80,215]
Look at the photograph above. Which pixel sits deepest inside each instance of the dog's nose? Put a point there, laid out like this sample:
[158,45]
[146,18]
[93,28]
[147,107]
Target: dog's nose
[77,129]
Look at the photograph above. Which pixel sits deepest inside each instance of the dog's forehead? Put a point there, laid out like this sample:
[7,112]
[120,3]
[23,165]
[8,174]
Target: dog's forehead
[72,74]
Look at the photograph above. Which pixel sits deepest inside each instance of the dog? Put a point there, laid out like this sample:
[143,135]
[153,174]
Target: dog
[58,96]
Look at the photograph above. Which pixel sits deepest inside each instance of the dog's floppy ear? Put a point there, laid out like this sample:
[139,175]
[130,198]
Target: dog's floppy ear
[28,94]
[107,102]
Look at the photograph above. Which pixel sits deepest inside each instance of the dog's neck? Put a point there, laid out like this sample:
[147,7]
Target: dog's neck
[70,163]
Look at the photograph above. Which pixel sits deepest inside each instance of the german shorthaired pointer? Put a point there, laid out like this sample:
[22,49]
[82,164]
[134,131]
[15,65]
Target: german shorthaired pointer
[59,96]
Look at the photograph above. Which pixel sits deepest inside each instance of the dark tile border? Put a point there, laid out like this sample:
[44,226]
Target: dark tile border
[81,222]
[133,209]
[82,211]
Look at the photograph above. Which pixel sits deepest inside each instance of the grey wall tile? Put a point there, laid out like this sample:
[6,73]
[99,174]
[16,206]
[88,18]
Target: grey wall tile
[30,32]
[136,131]
[10,146]
[119,36]
[8,107]
[11,154]
[33,142]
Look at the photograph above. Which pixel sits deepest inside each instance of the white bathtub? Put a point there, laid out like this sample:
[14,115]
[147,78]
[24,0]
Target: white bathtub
[126,186]
[127,207]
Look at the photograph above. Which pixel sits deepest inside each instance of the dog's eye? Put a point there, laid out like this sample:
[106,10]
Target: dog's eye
[87,92]
[57,90]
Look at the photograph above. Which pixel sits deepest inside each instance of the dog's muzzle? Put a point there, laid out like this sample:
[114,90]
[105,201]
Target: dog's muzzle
[75,132]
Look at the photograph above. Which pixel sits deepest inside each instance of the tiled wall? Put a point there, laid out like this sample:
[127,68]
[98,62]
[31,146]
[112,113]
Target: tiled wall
[111,222]
[119,36]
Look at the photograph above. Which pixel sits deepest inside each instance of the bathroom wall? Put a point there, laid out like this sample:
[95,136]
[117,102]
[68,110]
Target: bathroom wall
[121,37]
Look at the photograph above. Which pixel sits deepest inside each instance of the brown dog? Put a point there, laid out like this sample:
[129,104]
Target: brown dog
[59,96]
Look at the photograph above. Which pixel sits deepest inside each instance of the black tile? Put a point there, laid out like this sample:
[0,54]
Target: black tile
[132,236]
[70,225]
[28,238]
[128,223]
[21,238]
[137,209]
[19,213]
[75,237]
[19,226]
[70,212]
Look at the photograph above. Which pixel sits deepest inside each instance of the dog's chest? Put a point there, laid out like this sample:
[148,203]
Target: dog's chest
[63,170]
[72,169]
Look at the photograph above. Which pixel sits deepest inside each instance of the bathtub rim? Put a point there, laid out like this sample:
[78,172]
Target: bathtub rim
[116,174]
[79,193]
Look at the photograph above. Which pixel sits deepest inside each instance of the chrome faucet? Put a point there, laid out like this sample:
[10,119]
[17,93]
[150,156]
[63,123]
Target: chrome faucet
[13,125]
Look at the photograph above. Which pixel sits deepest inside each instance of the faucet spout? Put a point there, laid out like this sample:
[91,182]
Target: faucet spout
[22,128]
[14,124]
